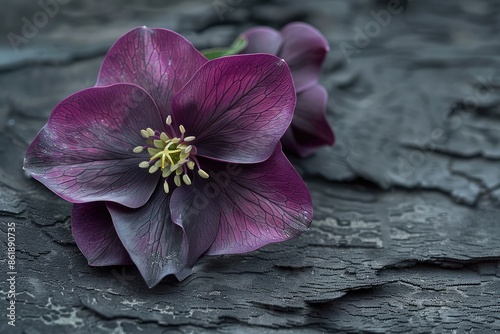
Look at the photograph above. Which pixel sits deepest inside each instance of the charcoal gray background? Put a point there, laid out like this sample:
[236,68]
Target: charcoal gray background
[406,231]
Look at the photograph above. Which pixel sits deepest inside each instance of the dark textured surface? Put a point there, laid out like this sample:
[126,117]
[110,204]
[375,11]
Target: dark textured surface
[406,232]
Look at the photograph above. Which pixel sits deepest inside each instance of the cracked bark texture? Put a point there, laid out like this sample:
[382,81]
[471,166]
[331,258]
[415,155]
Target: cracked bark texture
[406,231]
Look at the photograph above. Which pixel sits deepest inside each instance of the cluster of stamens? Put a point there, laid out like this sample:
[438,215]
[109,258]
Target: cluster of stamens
[173,156]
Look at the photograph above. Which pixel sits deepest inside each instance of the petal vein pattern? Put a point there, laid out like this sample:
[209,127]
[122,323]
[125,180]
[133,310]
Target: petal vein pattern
[265,203]
[157,246]
[237,107]
[158,60]
[95,235]
[84,152]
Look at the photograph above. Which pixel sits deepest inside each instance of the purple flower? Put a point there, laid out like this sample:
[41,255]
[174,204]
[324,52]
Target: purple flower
[171,156]
[303,48]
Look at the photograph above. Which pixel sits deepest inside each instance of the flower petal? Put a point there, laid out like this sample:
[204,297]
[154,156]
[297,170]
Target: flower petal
[304,49]
[237,107]
[158,60]
[96,237]
[262,40]
[84,152]
[310,128]
[290,144]
[259,203]
[191,210]
[157,246]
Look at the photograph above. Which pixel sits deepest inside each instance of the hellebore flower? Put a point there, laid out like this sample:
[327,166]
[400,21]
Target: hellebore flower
[303,48]
[171,156]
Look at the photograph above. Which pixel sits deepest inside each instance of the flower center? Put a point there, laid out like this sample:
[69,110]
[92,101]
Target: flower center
[172,156]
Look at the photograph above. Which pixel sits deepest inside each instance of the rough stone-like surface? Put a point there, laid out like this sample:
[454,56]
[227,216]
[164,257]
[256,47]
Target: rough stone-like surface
[406,234]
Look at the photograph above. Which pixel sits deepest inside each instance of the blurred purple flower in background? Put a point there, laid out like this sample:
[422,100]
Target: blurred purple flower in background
[171,156]
[303,48]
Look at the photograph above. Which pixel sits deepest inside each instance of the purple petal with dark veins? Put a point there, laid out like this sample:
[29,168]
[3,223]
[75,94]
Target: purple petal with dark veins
[304,49]
[157,246]
[84,152]
[262,40]
[238,107]
[191,209]
[310,128]
[96,237]
[259,203]
[158,60]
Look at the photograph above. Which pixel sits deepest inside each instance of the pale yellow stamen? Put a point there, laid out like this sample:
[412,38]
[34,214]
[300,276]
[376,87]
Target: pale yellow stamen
[166,173]
[186,179]
[159,143]
[163,136]
[173,156]
[203,174]
[177,180]
[153,169]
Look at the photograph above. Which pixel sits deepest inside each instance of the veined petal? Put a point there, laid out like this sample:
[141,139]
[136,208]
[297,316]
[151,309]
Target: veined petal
[95,235]
[191,209]
[84,152]
[310,128]
[259,203]
[158,60]
[310,114]
[263,40]
[304,48]
[237,107]
[157,246]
